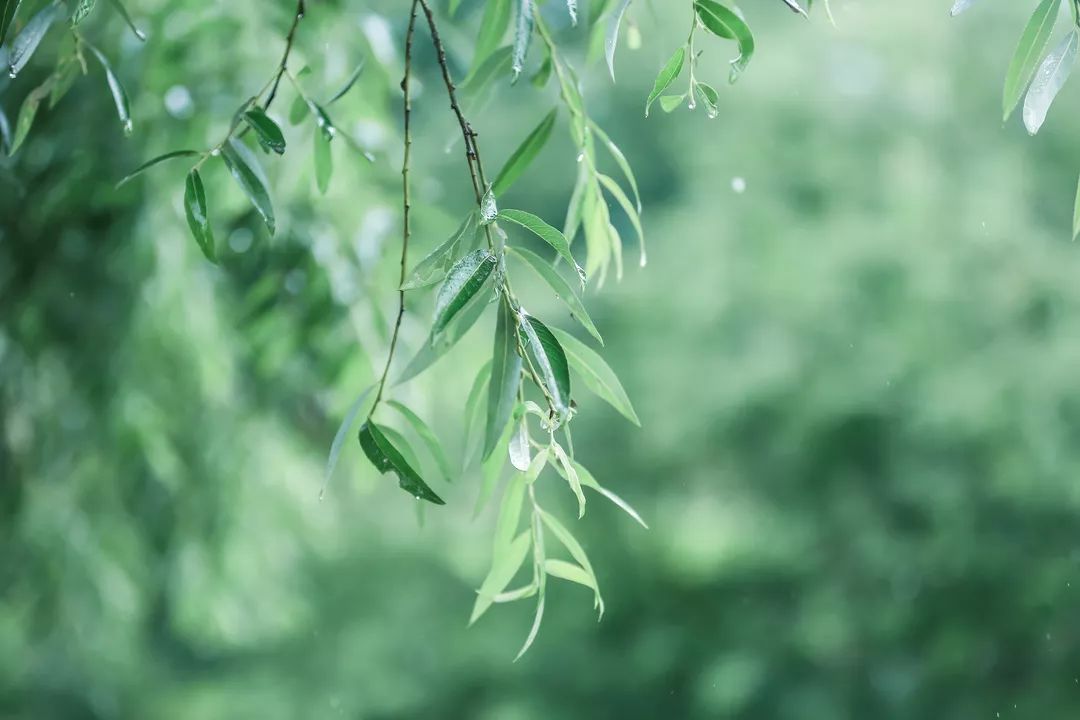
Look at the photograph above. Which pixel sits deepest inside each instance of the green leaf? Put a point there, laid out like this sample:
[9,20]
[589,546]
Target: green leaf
[562,289]
[195,209]
[611,38]
[505,377]
[427,436]
[27,113]
[545,232]
[497,64]
[725,23]
[631,212]
[439,344]
[491,469]
[322,120]
[587,480]
[503,569]
[82,9]
[543,73]
[8,8]
[671,103]
[127,19]
[523,156]
[473,425]
[324,161]
[1076,211]
[520,452]
[348,83]
[154,161]
[5,132]
[1049,79]
[960,6]
[68,68]
[340,435]
[597,375]
[386,458]
[464,281]
[569,571]
[571,476]
[564,536]
[671,70]
[400,442]
[620,160]
[29,38]
[708,95]
[266,130]
[523,31]
[493,27]
[434,266]
[249,175]
[541,580]
[548,359]
[1028,51]
[298,110]
[120,98]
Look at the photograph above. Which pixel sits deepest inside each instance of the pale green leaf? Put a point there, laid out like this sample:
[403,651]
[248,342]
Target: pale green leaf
[562,289]
[596,374]
[1029,49]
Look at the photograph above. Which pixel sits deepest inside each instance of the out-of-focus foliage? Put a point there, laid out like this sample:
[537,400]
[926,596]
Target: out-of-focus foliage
[853,354]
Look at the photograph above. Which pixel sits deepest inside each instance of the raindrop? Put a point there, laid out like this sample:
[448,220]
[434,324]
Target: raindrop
[738,184]
[643,259]
[580,157]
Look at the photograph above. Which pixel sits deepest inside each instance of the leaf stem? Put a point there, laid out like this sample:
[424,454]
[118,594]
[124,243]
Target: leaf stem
[405,200]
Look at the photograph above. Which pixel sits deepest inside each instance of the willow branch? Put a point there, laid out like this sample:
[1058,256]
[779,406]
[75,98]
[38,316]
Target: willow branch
[297,17]
[405,202]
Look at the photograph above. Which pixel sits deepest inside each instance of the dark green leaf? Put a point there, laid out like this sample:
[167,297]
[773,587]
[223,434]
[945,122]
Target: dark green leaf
[505,377]
[562,289]
[324,161]
[154,161]
[545,232]
[348,84]
[1049,79]
[725,23]
[596,374]
[195,209]
[8,8]
[127,19]
[464,280]
[28,39]
[82,9]
[430,440]
[249,175]
[5,132]
[1028,51]
[524,154]
[386,458]
[548,360]
[266,130]
[433,267]
[671,70]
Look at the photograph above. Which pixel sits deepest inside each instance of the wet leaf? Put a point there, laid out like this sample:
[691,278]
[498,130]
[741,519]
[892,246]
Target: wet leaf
[548,360]
[724,22]
[596,374]
[671,70]
[545,232]
[119,6]
[249,175]
[562,289]
[195,210]
[462,283]
[119,95]
[29,38]
[437,345]
[267,131]
[960,6]
[620,160]
[1051,76]
[82,9]
[386,458]
[1025,58]
[435,264]
[505,377]
[523,31]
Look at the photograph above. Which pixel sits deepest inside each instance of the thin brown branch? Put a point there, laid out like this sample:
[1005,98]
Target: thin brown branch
[405,200]
[297,17]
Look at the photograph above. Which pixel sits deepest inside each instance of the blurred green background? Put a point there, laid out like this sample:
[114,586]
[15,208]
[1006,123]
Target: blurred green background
[855,351]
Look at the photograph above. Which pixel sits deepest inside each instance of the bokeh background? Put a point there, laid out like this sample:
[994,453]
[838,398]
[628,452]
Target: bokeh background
[855,351]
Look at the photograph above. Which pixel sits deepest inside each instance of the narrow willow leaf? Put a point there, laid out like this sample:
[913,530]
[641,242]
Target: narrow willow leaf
[386,458]
[438,345]
[562,289]
[568,541]
[496,65]
[620,160]
[428,437]
[245,169]
[960,6]
[154,161]
[493,25]
[523,156]
[587,480]
[82,9]
[465,279]
[545,232]
[611,37]
[68,68]
[598,248]
[8,8]
[28,39]
[401,442]
[435,264]
[571,9]
[505,377]
[538,463]
[543,73]
[27,112]
[519,594]
[571,476]
[596,374]
[569,571]
[538,564]
[520,452]
[548,359]
[523,31]
[509,518]
[1076,211]
[339,437]
[671,103]
[725,23]
[491,469]
[1049,79]
[267,131]
[503,569]
[631,212]
[5,132]
[195,210]
[473,401]
[1032,44]
[324,161]
[348,84]
[322,120]
[127,19]
[573,208]
[120,98]
[671,70]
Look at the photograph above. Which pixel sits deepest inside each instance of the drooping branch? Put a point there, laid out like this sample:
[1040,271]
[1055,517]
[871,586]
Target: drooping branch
[283,65]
